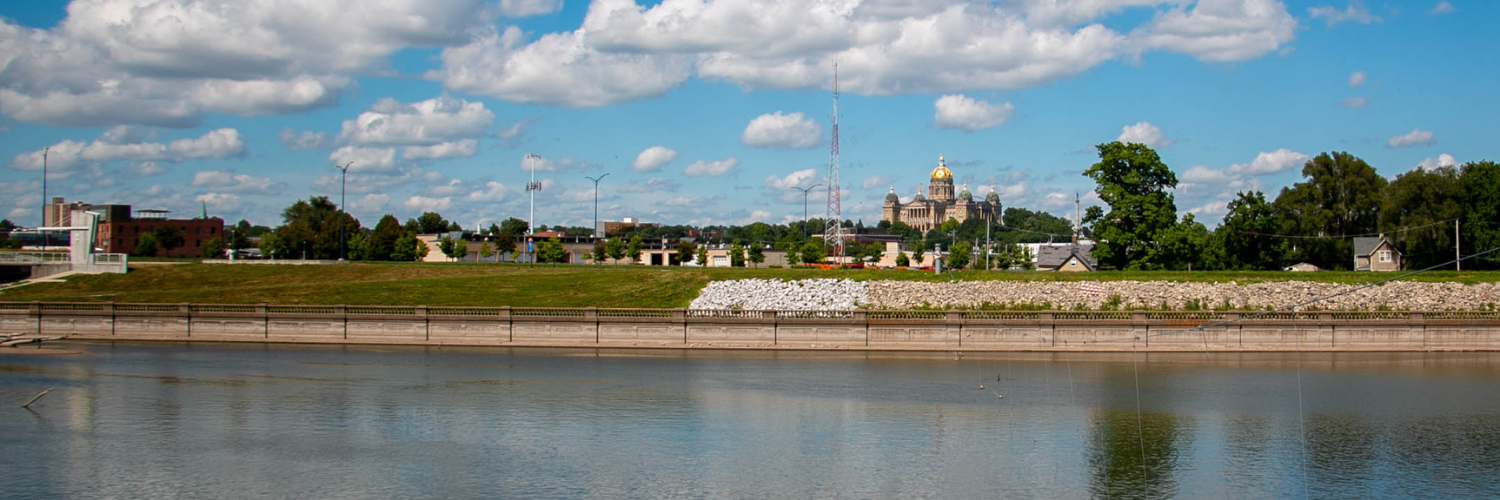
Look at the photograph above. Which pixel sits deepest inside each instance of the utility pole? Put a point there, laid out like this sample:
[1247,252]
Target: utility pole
[343,209]
[804,207]
[531,188]
[45,151]
[596,200]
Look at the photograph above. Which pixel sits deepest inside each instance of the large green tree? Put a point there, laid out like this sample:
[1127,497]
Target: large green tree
[167,237]
[1181,246]
[312,226]
[1481,224]
[1418,212]
[1339,199]
[382,241]
[1246,239]
[1133,181]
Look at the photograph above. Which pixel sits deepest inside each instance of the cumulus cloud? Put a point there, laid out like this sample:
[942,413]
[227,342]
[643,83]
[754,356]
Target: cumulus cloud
[365,160]
[427,204]
[651,159]
[433,121]
[372,202]
[512,135]
[463,148]
[875,181]
[1414,138]
[170,62]
[523,8]
[544,164]
[1443,7]
[491,192]
[1235,176]
[798,179]
[1356,79]
[1354,102]
[306,139]
[225,202]
[1144,133]
[968,114]
[1355,12]
[145,169]
[1221,30]
[65,155]
[782,131]
[231,182]
[652,185]
[1442,160]
[704,168]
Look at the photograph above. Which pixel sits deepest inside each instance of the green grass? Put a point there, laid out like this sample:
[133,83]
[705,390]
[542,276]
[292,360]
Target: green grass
[456,284]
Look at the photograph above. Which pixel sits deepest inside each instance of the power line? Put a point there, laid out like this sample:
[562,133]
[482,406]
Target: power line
[1341,237]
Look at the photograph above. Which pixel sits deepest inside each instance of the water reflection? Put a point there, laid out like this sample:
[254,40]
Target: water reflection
[205,421]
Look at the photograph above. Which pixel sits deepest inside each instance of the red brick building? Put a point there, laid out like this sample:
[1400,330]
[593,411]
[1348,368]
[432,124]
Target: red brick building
[119,231]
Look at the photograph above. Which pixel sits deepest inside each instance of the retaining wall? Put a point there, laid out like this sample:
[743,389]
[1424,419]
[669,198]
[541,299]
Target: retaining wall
[680,328]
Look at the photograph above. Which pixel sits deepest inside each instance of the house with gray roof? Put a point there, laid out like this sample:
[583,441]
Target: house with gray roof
[1376,254]
[1069,257]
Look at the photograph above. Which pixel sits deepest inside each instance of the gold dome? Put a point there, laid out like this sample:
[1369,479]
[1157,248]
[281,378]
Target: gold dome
[941,172]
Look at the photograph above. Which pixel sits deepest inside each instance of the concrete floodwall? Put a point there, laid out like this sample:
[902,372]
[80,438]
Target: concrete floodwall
[681,328]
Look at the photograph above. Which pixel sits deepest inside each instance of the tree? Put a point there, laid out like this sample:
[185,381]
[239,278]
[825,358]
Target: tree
[1244,240]
[1418,213]
[505,243]
[485,251]
[1133,181]
[167,237]
[382,241]
[430,223]
[902,260]
[685,251]
[916,257]
[1021,254]
[1481,224]
[312,227]
[615,249]
[514,226]
[1339,200]
[422,249]
[405,248]
[551,251]
[446,246]
[757,254]
[958,256]
[812,252]
[1182,245]
[703,255]
[461,249]
[633,250]
[599,251]
[790,247]
[145,246]
[212,247]
[736,255]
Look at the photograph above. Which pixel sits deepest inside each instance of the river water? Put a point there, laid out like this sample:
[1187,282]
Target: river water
[140,420]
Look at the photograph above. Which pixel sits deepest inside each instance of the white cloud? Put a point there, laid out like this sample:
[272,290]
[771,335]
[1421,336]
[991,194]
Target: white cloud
[756,216]
[372,202]
[544,164]
[524,8]
[492,192]
[170,62]
[511,136]
[782,131]
[1269,163]
[1355,12]
[427,204]
[961,112]
[1413,138]
[462,148]
[63,156]
[703,168]
[231,182]
[225,202]
[1221,30]
[306,139]
[559,69]
[1356,79]
[145,169]
[652,185]
[798,179]
[1443,7]
[1216,207]
[1442,160]
[437,120]
[1354,102]
[651,159]
[365,160]
[875,181]
[1144,133]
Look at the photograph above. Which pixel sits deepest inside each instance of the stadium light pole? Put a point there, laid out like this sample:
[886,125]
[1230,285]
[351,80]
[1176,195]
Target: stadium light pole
[532,187]
[804,207]
[596,200]
[343,210]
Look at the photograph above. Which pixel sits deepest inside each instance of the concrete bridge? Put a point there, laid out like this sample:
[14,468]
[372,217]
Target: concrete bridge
[33,265]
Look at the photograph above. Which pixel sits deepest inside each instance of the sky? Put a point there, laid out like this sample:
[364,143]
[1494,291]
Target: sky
[712,111]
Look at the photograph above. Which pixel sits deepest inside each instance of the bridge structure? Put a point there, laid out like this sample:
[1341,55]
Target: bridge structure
[80,257]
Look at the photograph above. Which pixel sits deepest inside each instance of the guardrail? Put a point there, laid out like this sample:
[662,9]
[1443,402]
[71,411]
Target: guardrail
[32,258]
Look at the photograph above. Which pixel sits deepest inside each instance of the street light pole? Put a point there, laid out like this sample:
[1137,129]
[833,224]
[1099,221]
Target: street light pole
[343,210]
[45,151]
[596,200]
[804,207]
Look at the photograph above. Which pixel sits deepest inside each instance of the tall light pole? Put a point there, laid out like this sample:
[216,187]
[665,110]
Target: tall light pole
[596,200]
[46,150]
[343,210]
[804,207]
[531,188]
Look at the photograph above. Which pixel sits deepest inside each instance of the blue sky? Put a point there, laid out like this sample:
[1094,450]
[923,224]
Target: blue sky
[708,112]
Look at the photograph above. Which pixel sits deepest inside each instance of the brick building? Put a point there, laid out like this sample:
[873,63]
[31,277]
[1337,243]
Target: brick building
[119,230]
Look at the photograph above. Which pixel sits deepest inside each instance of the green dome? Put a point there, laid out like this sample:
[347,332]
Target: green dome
[993,197]
[892,198]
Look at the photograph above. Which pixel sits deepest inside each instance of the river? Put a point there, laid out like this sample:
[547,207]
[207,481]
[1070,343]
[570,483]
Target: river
[213,421]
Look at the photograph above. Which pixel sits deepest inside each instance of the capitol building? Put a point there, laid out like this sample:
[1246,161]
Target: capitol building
[940,204]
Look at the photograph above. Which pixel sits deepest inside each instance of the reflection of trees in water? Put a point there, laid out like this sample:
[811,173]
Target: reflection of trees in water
[1248,444]
[1340,452]
[1115,455]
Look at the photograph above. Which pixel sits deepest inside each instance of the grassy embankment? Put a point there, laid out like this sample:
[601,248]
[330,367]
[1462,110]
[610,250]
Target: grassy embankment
[454,284]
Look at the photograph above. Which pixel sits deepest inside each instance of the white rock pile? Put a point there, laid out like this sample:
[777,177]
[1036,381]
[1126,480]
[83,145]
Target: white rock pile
[800,295]
[843,294]
[1401,295]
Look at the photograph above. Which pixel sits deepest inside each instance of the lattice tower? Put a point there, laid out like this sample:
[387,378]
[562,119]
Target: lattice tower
[833,228]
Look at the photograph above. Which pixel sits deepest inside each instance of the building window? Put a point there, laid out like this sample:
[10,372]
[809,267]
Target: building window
[1385,255]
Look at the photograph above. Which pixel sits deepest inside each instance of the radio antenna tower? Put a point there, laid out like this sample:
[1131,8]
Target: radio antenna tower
[833,227]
